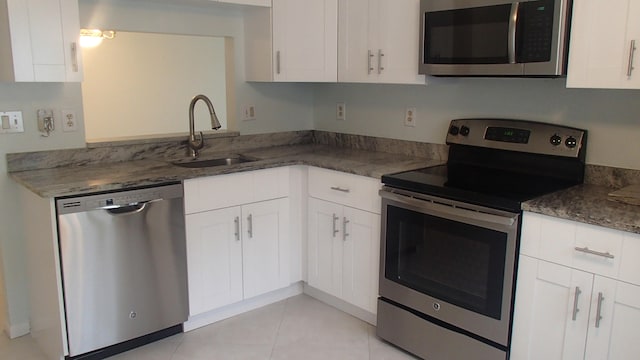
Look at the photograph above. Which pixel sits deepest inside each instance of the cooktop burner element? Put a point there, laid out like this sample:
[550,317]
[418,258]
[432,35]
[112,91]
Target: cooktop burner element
[500,163]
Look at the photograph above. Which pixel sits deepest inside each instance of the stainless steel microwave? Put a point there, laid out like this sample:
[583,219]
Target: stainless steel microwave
[494,37]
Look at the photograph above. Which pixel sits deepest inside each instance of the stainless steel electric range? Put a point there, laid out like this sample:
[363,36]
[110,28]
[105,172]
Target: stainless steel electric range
[450,235]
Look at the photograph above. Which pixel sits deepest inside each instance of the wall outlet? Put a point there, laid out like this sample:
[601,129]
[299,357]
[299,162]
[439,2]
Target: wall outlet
[341,111]
[410,117]
[248,112]
[69,121]
[46,121]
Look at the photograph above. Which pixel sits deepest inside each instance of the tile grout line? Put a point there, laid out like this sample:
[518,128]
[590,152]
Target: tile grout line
[275,340]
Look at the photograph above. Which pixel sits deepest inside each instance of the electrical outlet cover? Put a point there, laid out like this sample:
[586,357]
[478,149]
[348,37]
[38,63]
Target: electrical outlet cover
[410,117]
[341,111]
[69,121]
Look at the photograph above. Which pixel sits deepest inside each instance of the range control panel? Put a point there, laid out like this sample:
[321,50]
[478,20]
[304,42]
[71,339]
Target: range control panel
[518,135]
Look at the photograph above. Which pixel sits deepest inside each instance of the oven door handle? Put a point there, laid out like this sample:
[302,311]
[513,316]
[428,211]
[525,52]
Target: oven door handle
[451,210]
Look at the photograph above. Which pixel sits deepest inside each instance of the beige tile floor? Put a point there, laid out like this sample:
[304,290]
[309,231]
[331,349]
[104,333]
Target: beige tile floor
[297,328]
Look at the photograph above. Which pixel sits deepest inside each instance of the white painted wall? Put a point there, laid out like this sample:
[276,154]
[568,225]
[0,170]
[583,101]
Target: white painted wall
[612,117]
[27,98]
[140,84]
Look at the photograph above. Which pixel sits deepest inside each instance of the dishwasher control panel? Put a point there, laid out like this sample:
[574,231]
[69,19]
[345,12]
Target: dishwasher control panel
[117,199]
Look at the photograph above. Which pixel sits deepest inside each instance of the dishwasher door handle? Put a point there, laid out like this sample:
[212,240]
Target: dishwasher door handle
[123,210]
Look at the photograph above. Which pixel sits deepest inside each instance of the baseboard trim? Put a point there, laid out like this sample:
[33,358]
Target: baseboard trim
[341,305]
[17,330]
[228,311]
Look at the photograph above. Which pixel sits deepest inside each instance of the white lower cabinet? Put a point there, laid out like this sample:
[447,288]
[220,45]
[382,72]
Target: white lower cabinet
[343,243]
[236,253]
[562,312]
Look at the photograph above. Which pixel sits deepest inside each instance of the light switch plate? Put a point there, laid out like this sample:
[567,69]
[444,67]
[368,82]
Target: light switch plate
[11,122]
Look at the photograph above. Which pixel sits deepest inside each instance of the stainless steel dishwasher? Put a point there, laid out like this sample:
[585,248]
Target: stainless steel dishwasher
[124,269]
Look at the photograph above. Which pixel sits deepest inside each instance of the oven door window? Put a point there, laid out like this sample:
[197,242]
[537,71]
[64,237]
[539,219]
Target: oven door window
[459,263]
[467,36]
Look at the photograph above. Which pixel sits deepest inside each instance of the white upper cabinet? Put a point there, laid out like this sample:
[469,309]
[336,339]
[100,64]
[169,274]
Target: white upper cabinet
[294,41]
[605,35]
[378,41]
[40,43]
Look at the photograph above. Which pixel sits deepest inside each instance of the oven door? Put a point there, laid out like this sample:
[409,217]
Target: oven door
[450,261]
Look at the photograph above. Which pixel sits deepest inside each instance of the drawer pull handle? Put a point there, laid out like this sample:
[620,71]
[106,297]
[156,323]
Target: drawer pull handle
[586,250]
[575,303]
[337,188]
[599,310]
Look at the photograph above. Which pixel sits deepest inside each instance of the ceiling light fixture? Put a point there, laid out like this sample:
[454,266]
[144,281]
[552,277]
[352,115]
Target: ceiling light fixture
[93,37]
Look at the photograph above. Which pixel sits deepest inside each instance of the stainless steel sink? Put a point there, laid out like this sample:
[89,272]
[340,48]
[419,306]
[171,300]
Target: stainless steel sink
[224,161]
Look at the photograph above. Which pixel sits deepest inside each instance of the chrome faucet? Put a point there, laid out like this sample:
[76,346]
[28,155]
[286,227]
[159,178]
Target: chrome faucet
[194,143]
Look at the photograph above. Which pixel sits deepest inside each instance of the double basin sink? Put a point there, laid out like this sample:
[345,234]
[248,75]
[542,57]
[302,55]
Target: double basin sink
[222,161]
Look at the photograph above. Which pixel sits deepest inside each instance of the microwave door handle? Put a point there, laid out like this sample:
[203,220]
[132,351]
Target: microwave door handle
[513,20]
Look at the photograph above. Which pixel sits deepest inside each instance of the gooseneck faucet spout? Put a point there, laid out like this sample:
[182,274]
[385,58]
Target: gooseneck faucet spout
[196,144]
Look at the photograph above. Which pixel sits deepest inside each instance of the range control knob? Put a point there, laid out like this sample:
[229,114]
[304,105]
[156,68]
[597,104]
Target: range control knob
[571,142]
[464,131]
[555,140]
[454,130]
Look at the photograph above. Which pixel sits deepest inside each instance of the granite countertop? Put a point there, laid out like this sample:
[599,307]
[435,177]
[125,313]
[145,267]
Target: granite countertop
[588,204]
[83,179]
[106,169]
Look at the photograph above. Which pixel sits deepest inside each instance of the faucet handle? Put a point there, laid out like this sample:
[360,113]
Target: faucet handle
[195,143]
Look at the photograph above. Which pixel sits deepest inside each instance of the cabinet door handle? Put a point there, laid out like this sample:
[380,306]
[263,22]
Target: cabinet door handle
[237,224]
[250,226]
[74,57]
[599,310]
[632,51]
[575,303]
[337,188]
[335,226]
[586,250]
[278,62]
[369,58]
[380,67]
[344,229]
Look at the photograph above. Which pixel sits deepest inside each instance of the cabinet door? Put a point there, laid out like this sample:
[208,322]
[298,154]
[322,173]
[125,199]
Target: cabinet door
[547,296]
[600,47]
[305,35]
[43,41]
[360,261]
[615,336]
[265,246]
[397,27]
[214,259]
[325,246]
[356,61]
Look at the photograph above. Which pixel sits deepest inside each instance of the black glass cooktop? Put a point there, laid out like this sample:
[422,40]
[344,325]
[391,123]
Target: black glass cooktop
[495,188]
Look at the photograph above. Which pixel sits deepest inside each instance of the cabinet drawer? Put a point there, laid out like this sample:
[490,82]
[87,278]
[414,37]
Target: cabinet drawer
[220,191]
[581,246]
[356,191]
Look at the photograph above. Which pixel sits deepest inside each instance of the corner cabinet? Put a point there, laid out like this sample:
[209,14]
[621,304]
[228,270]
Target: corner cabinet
[40,41]
[578,292]
[605,37]
[294,41]
[378,41]
[237,237]
[344,236]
